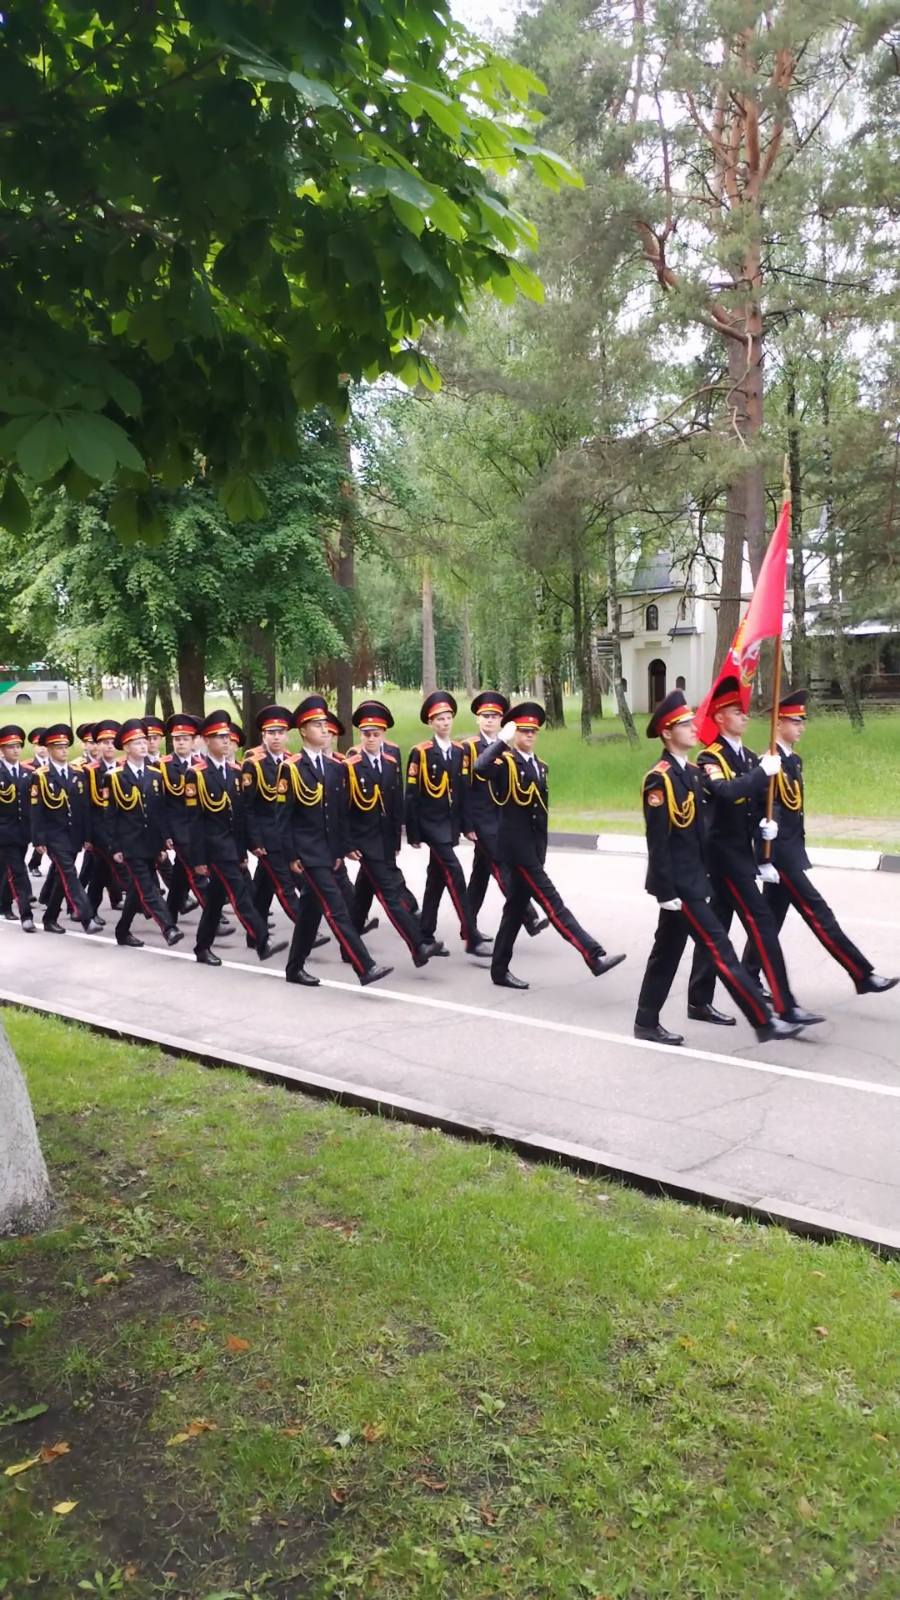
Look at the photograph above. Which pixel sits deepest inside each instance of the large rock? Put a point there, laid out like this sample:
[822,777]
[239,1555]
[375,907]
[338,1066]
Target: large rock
[25,1197]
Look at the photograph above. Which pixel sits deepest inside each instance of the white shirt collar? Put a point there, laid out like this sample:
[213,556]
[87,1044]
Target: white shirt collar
[736,744]
[137,770]
[59,766]
[682,760]
[784,748]
[444,745]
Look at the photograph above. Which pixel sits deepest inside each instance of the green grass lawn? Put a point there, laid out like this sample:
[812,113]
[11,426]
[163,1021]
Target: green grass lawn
[297,1351]
[848,775]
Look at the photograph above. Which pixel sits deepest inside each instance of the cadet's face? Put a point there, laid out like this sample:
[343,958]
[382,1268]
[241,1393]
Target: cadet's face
[524,740]
[275,740]
[218,745]
[106,749]
[136,749]
[182,743]
[330,737]
[315,733]
[441,724]
[681,736]
[372,740]
[12,750]
[732,720]
[790,729]
[489,723]
[153,744]
[59,750]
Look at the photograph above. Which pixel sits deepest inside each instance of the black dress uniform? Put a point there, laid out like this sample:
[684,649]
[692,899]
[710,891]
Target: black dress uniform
[790,859]
[518,785]
[59,823]
[182,812]
[105,874]
[674,818]
[85,732]
[735,788]
[363,891]
[434,787]
[36,740]
[375,794]
[137,832]
[223,848]
[317,837]
[481,817]
[265,787]
[15,822]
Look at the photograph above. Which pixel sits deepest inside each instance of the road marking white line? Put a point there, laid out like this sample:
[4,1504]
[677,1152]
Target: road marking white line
[545,1024]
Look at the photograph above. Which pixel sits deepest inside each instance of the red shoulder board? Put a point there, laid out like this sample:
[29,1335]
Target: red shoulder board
[352,758]
[165,758]
[386,756]
[662,766]
[234,765]
[199,765]
[338,756]
[425,745]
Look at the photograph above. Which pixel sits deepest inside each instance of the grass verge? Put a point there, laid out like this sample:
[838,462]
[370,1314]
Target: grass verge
[296,1351]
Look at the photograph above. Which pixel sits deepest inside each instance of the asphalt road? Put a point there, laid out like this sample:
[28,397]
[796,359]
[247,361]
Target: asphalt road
[808,1130]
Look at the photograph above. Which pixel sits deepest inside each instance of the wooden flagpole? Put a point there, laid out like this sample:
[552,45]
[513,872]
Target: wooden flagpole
[776,694]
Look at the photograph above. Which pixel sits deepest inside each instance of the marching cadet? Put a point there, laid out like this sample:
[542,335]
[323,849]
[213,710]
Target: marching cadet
[317,843]
[183,824]
[39,759]
[85,733]
[223,845]
[265,785]
[59,821]
[364,893]
[790,861]
[734,781]
[15,820]
[104,871]
[481,818]
[138,834]
[674,817]
[436,775]
[236,737]
[155,731]
[518,784]
[375,783]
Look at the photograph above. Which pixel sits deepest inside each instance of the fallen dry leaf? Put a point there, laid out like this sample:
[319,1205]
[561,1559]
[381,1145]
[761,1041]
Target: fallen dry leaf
[816,1273]
[199,1425]
[196,1325]
[881,1437]
[291,1433]
[487,1514]
[130,1572]
[63,1507]
[895,1294]
[437,1484]
[372,1432]
[108,1277]
[822,1332]
[805,1509]
[235,1345]
[51,1451]
[20,1466]
[23,1322]
[338,1496]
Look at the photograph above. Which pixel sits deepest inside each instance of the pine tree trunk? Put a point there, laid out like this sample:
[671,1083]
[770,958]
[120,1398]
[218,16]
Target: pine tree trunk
[429,664]
[346,577]
[465,634]
[582,650]
[26,1201]
[799,642]
[192,677]
[841,660]
[612,574]
[258,676]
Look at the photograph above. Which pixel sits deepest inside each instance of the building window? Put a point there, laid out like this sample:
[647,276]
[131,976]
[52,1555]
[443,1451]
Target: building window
[651,619]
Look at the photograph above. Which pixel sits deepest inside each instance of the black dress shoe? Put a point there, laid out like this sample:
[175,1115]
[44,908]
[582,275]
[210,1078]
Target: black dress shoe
[28,925]
[94,926]
[657,1034]
[11,916]
[872,984]
[371,925]
[207,958]
[300,975]
[508,980]
[173,936]
[374,975]
[776,1028]
[435,947]
[480,947]
[224,932]
[720,1019]
[269,949]
[421,955]
[601,964]
[805,1019]
[52,927]
[130,940]
[190,904]
[536,925]
[320,939]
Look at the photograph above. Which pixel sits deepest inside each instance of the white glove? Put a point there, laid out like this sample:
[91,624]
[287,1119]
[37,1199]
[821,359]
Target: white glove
[767,873]
[769,828]
[507,732]
[670,905]
[771,764]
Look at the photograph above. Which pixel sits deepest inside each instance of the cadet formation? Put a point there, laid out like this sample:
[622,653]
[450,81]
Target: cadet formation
[131,829]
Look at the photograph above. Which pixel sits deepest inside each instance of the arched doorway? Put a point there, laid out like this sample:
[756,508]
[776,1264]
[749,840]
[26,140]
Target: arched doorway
[656,684]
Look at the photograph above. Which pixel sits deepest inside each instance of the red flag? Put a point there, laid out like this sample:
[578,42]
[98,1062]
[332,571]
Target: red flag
[761,620]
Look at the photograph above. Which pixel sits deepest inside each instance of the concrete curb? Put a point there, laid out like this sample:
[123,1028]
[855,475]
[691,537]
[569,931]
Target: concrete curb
[814,1224]
[631,844]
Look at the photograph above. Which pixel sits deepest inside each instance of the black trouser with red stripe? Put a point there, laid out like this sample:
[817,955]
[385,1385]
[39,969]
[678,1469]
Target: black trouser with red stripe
[532,882]
[445,872]
[484,868]
[228,881]
[143,895]
[104,875]
[181,884]
[795,889]
[322,896]
[14,874]
[385,880]
[735,893]
[698,921]
[364,894]
[63,880]
[273,876]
